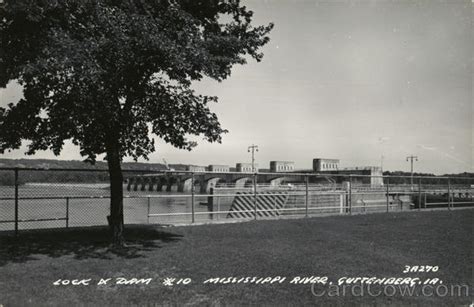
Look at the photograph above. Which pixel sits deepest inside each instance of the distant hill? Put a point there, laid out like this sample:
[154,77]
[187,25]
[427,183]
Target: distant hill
[48,164]
[7,177]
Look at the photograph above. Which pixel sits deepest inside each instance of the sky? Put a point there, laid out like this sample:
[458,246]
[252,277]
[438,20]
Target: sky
[351,80]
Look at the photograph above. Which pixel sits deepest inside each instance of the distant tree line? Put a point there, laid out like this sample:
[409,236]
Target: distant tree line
[456,179]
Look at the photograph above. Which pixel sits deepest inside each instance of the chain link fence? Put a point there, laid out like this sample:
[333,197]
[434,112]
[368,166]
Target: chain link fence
[58,198]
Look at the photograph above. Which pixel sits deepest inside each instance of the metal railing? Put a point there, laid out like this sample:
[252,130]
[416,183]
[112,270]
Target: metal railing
[57,198]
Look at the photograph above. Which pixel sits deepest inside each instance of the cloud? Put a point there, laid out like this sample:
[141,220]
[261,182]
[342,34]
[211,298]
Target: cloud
[445,154]
[426,147]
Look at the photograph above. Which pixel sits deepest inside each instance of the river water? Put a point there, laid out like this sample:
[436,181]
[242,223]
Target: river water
[89,204]
[44,205]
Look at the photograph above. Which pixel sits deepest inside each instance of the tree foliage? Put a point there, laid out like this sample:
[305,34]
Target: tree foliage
[105,73]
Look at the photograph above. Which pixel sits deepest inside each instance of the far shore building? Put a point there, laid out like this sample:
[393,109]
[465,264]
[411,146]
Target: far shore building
[321,165]
[216,168]
[246,167]
[282,166]
[195,168]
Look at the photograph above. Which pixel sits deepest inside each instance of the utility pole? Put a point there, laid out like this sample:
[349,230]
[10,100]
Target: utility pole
[253,148]
[381,163]
[411,158]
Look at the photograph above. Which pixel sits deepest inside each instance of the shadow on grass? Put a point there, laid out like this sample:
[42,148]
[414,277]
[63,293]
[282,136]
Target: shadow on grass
[81,243]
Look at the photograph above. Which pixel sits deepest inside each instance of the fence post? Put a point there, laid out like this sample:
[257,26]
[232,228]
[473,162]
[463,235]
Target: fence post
[401,201]
[419,194]
[192,198]
[67,212]
[210,204]
[350,194]
[16,201]
[341,203]
[148,210]
[274,213]
[255,194]
[449,194]
[218,207]
[388,194]
[424,200]
[306,199]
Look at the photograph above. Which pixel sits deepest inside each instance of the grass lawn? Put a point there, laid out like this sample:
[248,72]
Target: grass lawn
[379,245]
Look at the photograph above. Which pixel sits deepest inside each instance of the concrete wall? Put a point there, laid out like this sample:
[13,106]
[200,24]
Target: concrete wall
[373,171]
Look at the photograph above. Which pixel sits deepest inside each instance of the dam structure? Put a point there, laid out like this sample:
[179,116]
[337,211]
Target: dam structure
[280,172]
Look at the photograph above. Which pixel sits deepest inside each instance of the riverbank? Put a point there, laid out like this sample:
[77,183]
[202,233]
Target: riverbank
[378,245]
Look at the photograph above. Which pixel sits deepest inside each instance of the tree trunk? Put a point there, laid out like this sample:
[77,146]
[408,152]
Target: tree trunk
[115,218]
